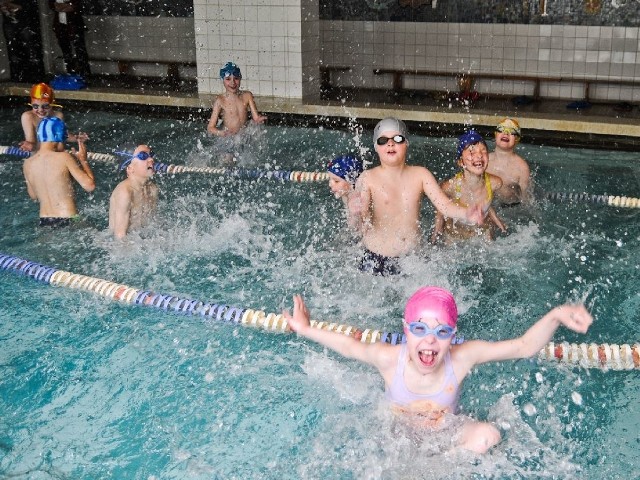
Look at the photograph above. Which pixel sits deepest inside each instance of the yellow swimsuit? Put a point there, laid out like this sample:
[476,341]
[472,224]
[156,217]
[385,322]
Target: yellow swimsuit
[458,180]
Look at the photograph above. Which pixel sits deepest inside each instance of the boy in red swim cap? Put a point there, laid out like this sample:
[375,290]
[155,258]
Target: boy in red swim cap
[422,376]
[42,103]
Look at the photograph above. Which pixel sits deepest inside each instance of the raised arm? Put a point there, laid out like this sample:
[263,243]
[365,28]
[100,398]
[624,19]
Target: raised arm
[373,354]
[82,173]
[574,317]
[472,214]
[362,215]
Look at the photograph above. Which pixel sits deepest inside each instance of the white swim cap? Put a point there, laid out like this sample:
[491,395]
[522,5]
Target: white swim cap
[389,124]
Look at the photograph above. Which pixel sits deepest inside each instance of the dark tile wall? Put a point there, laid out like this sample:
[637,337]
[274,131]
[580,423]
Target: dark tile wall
[620,13]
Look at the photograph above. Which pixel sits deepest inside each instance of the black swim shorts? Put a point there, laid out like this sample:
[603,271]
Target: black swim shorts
[377,264]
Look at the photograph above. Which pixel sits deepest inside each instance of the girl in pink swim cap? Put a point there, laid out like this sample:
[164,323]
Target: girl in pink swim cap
[422,376]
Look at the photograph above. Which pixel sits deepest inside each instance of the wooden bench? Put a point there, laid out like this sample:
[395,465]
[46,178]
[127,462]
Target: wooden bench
[399,73]
[588,82]
[124,66]
[325,75]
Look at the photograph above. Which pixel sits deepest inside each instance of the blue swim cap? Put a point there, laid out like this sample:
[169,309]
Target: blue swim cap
[468,138]
[347,167]
[52,129]
[230,69]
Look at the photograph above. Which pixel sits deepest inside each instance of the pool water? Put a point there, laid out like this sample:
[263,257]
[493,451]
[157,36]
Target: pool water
[96,389]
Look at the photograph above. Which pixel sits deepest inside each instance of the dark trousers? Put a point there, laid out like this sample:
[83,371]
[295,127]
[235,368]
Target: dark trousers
[71,40]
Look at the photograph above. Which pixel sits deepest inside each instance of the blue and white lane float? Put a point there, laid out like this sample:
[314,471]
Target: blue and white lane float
[170,169]
[305,177]
[605,356]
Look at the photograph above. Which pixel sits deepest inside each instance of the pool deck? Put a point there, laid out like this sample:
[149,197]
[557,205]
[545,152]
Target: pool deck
[609,120]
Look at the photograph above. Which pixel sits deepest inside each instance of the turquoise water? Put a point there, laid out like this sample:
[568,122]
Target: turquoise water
[95,389]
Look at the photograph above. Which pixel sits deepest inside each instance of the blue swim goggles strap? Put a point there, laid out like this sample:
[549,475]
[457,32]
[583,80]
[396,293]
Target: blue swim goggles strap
[129,157]
[443,332]
[139,155]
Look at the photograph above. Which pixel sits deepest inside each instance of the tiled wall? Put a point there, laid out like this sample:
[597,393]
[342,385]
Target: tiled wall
[280,43]
[571,52]
[140,38]
[265,38]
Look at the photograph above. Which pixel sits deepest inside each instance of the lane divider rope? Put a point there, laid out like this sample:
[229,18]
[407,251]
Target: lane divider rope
[607,356]
[170,169]
[611,200]
[303,177]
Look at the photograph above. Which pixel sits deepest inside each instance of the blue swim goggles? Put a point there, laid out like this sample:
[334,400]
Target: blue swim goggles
[442,332]
[140,156]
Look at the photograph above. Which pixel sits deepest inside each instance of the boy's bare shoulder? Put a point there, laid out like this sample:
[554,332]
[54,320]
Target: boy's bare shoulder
[123,189]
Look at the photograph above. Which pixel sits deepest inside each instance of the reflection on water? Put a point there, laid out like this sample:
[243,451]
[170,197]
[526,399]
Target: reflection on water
[94,389]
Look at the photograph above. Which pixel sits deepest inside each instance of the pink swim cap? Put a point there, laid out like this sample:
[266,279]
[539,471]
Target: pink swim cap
[432,302]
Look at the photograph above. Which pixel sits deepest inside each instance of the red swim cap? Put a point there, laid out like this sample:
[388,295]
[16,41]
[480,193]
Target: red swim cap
[432,302]
[42,91]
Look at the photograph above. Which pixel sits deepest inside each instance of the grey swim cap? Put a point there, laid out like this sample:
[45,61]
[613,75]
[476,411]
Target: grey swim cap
[387,125]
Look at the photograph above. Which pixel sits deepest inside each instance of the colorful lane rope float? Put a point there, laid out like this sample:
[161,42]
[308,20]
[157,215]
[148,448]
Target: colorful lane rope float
[611,200]
[307,177]
[170,169]
[606,356]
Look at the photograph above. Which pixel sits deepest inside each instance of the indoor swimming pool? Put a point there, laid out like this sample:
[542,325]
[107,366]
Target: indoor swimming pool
[93,388]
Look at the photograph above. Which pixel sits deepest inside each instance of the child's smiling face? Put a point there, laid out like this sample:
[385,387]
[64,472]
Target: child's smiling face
[475,158]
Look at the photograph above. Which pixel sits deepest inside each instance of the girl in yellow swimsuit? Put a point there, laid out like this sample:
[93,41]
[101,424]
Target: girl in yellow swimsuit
[472,185]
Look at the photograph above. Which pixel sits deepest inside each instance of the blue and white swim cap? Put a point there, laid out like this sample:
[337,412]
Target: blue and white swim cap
[230,69]
[347,167]
[468,138]
[52,129]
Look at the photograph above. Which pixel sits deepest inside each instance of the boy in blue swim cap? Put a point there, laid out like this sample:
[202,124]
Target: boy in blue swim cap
[134,200]
[343,172]
[471,184]
[48,174]
[232,106]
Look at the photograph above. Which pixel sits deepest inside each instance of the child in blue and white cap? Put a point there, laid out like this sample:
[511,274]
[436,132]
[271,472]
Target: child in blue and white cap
[232,106]
[343,172]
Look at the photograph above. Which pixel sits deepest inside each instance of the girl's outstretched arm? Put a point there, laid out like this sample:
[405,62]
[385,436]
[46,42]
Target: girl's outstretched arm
[573,317]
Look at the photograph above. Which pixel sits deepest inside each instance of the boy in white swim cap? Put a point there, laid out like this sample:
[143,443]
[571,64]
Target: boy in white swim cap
[423,376]
[391,195]
[508,165]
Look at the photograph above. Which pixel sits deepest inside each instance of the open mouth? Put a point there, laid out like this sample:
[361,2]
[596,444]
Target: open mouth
[427,357]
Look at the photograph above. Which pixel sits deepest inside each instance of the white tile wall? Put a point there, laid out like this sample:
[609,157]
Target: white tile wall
[275,43]
[280,43]
[536,50]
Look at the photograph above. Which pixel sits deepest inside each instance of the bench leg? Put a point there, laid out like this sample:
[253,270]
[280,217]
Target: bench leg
[173,73]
